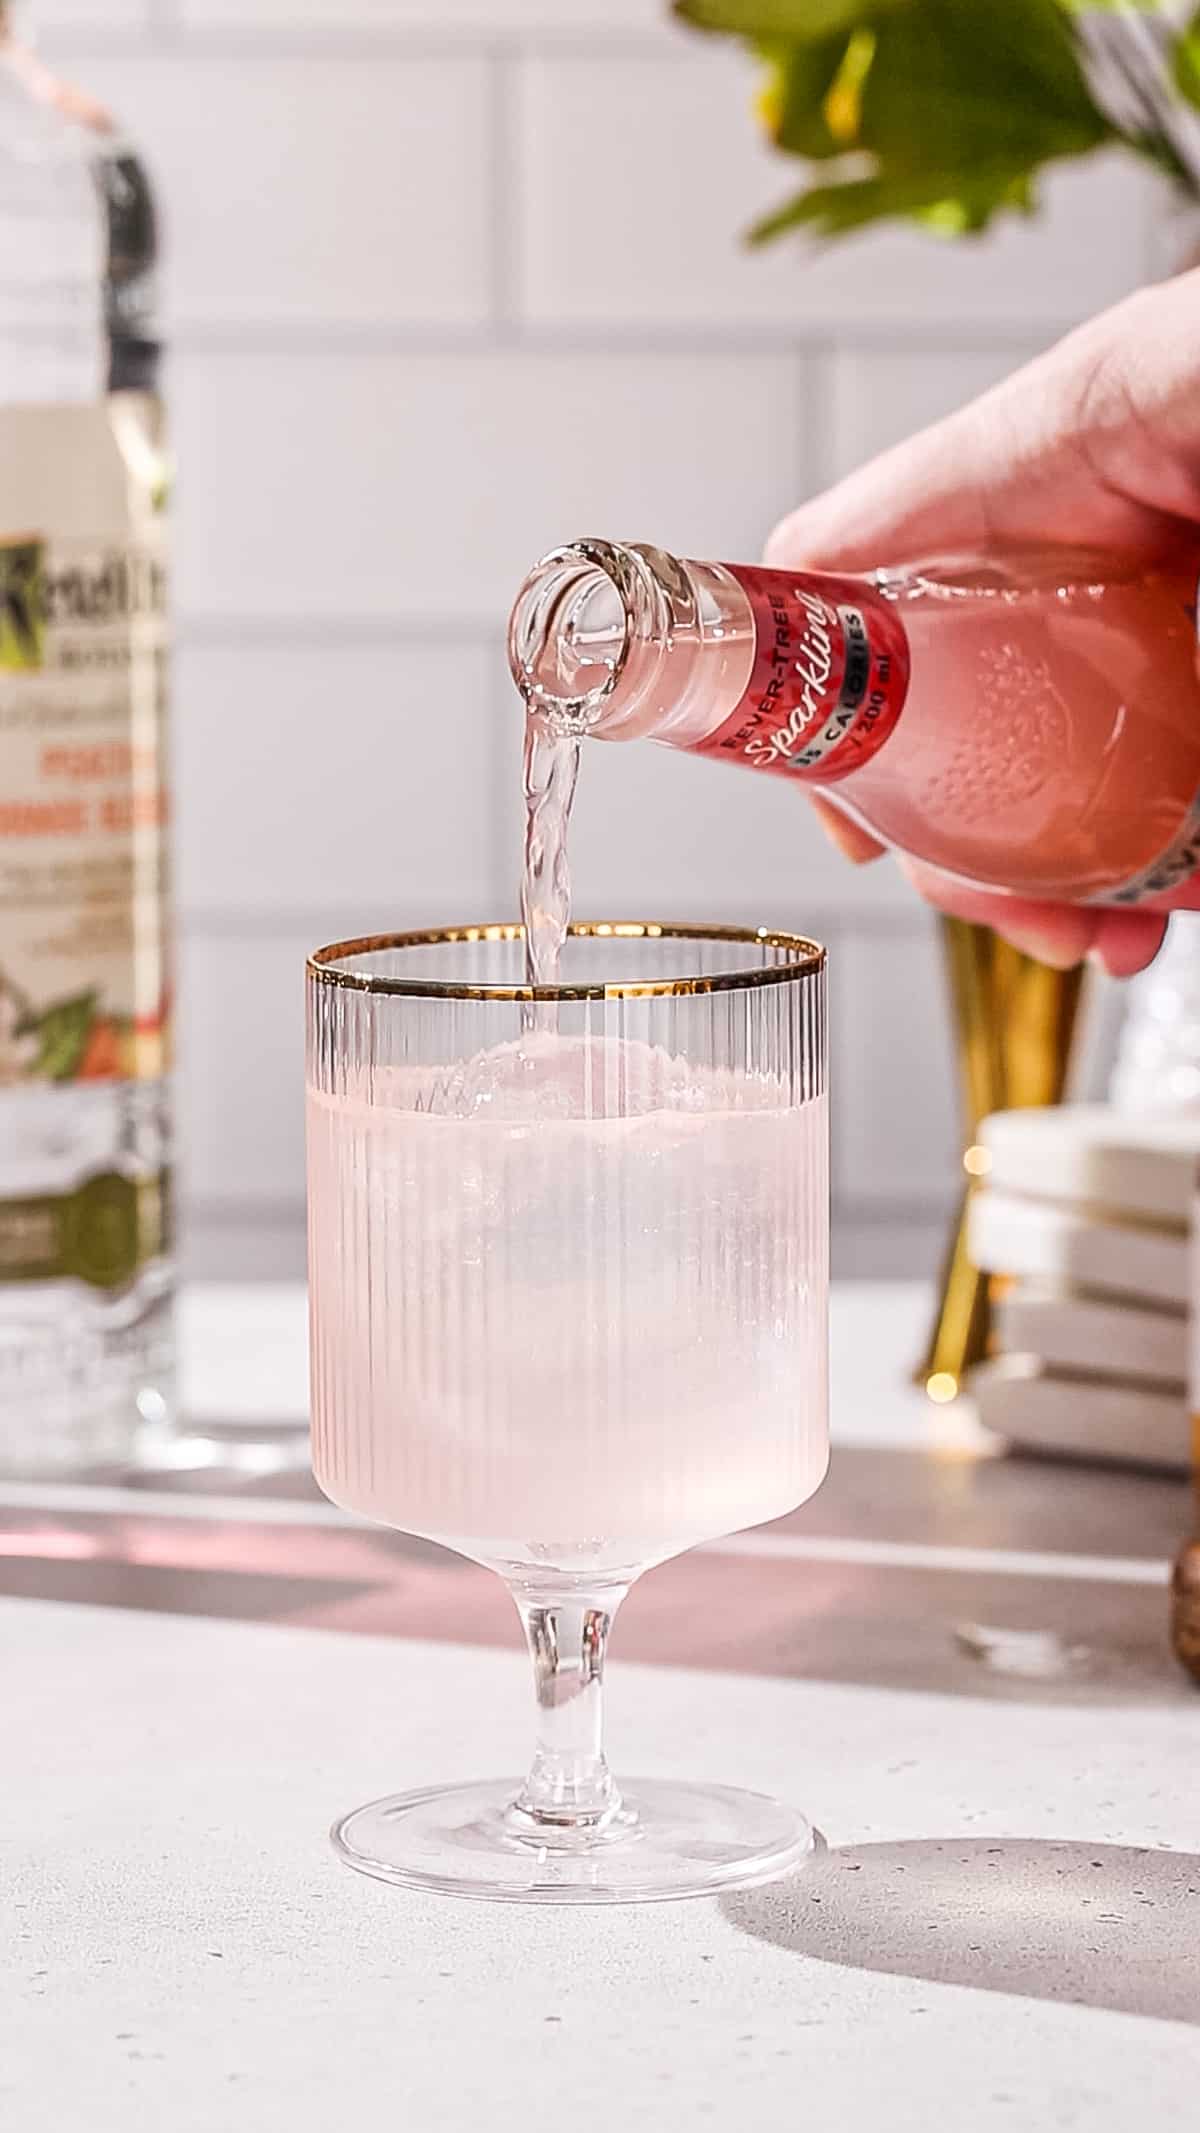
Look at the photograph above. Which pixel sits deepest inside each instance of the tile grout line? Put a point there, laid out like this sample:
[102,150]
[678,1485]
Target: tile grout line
[366,41]
[504,204]
[210,922]
[819,360]
[834,935]
[504,759]
[310,339]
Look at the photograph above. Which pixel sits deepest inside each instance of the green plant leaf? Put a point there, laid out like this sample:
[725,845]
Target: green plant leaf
[63,1032]
[799,21]
[793,99]
[1186,66]
[947,109]
[952,202]
[952,84]
[941,111]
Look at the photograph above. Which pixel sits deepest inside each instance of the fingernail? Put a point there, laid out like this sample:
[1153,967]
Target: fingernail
[859,855]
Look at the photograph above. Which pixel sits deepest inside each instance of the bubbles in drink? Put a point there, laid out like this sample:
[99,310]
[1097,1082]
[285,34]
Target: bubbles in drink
[537,1078]
[546,1076]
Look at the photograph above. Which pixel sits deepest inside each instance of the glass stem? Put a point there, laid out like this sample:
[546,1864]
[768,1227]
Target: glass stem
[569,1786]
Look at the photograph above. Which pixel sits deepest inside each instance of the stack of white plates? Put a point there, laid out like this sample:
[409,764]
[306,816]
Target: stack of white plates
[1088,1212]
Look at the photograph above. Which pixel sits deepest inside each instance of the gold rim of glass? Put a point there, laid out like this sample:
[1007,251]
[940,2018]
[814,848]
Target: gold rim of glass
[323,964]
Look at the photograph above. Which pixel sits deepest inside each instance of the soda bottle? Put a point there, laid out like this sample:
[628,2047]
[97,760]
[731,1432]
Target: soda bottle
[1029,723]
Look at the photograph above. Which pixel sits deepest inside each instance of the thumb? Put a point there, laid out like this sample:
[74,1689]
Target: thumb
[922,498]
[1094,444]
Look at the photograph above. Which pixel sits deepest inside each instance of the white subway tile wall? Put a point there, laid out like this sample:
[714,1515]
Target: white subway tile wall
[399,486]
[636,184]
[451,280]
[894,1125]
[498,19]
[103,16]
[301,195]
[306,782]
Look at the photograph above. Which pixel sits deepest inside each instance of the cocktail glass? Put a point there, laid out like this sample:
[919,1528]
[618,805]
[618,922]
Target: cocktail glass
[569,1286]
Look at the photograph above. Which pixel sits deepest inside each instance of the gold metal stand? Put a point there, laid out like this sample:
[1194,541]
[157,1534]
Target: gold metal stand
[1185,1608]
[1014,1021]
[1185,1582]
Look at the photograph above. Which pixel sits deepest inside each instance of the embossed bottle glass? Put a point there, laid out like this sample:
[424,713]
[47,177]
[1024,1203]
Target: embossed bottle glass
[568,1293]
[85,1349]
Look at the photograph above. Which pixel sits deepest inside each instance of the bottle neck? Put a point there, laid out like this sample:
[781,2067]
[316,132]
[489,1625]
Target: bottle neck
[588,632]
[627,641]
[780,670]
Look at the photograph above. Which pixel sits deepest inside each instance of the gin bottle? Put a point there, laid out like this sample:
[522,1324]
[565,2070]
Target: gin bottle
[85,992]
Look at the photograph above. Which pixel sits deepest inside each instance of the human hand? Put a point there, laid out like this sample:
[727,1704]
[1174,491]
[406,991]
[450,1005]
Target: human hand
[1095,445]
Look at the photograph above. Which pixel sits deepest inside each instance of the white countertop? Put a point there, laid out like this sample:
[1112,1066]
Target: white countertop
[1004,1934]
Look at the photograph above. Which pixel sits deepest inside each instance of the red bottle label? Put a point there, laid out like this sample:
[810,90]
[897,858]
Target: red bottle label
[830,675]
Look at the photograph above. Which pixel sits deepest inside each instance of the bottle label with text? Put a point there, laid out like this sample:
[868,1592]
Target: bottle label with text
[829,679]
[84,979]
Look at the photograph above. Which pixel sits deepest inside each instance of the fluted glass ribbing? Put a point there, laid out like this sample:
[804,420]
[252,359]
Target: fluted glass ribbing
[569,1292]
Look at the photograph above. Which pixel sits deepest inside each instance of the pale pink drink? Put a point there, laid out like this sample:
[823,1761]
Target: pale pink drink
[1030,723]
[569,1275]
[571,1311]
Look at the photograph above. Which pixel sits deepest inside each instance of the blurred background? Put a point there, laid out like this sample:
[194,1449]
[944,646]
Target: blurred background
[450,281]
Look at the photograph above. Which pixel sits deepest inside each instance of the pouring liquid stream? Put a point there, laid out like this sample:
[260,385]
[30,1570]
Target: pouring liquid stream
[551,770]
[575,650]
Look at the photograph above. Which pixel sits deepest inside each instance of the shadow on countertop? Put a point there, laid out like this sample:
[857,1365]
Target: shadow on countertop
[1092,1925]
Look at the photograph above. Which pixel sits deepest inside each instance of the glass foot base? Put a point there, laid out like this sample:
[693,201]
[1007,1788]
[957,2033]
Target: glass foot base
[667,1841]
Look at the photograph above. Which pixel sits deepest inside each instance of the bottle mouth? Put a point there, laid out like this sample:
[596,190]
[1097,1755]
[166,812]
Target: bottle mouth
[572,628]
